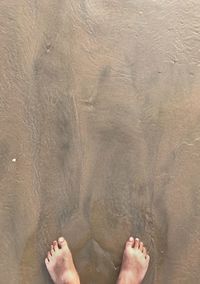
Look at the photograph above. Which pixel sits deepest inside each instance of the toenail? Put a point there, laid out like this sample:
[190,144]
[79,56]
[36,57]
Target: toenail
[61,239]
[137,239]
[131,239]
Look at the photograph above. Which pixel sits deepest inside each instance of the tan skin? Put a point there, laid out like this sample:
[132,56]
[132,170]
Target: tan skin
[59,263]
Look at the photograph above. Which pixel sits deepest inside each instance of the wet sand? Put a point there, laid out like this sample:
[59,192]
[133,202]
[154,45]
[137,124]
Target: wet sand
[100,136]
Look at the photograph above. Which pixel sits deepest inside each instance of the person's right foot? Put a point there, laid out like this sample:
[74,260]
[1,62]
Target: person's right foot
[60,264]
[134,264]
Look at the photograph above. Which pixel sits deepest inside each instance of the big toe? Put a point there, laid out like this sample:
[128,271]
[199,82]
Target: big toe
[62,242]
[130,242]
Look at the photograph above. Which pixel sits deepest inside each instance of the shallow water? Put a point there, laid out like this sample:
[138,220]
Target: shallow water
[99,136]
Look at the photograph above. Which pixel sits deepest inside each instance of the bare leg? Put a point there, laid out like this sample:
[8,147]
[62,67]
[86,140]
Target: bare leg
[59,263]
[134,264]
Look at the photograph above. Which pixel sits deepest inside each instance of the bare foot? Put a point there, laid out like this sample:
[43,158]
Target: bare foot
[134,264]
[60,264]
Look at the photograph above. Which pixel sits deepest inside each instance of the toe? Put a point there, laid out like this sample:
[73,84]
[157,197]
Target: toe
[141,246]
[49,256]
[137,243]
[55,245]
[62,242]
[144,251]
[148,258]
[130,242]
[52,250]
[46,261]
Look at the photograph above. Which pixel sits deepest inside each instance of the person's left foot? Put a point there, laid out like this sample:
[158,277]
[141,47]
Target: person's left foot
[59,263]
